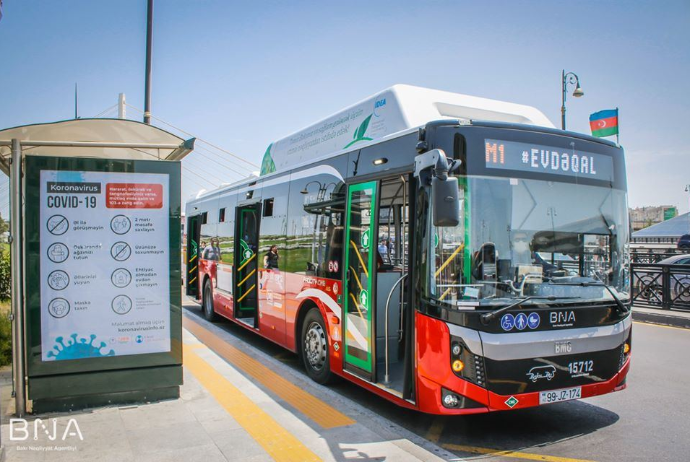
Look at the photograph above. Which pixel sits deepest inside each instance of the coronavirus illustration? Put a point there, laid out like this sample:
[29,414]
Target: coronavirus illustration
[73,349]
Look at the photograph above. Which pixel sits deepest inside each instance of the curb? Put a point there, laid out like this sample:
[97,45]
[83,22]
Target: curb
[663,318]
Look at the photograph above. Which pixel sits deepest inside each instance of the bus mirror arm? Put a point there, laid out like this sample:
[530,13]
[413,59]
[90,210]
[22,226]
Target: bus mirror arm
[445,193]
[455,165]
[433,160]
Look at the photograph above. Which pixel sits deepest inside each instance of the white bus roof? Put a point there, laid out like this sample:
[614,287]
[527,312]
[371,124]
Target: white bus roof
[394,110]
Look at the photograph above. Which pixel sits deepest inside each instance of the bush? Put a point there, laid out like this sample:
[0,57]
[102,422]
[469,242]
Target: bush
[5,276]
[5,339]
[5,323]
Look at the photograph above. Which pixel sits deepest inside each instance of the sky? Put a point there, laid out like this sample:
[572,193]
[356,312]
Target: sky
[240,75]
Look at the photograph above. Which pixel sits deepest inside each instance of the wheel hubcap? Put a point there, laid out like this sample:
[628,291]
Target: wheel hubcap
[315,346]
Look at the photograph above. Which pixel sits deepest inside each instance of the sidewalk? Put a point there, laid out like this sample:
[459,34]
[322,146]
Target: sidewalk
[673,318]
[239,405]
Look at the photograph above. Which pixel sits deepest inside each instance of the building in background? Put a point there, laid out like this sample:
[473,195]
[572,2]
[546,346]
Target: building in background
[663,235]
[643,217]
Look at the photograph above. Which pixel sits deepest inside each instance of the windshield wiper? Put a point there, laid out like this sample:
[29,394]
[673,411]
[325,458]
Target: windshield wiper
[621,307]
[488,317]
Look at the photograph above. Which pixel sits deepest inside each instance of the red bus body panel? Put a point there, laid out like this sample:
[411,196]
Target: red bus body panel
[290,292]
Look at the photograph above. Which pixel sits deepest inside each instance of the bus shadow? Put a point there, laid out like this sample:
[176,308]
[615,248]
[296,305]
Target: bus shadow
[524,428]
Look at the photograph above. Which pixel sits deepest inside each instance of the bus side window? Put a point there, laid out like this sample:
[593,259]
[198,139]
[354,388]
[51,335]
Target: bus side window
[273,228]
[315,209]
[226,229]
[334,241]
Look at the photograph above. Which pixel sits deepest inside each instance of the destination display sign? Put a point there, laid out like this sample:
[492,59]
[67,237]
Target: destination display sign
[104,266]
[527,157]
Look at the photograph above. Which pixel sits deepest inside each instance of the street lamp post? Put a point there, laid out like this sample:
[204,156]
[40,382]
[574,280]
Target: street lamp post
[687,189]
[149,46]
[569,78]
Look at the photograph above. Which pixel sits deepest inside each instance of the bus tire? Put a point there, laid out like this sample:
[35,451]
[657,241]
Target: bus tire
[207,302]
[314,348]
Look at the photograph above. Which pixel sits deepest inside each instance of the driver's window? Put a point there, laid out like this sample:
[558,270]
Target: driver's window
[448,269]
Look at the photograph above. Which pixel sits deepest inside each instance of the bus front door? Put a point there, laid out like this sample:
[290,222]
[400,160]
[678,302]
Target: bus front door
[193,252]
[246,275]
[359,274]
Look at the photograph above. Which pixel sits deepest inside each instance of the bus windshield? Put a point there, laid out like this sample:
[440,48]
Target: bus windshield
[528,237]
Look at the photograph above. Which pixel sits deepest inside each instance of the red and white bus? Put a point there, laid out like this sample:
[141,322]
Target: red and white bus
[450,253]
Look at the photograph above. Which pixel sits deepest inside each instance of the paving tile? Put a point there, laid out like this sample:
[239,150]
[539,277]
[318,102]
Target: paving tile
[205,453]
[12,454]
[258,458]
[237,444]
[91,455]
[208,413]
[171,437]
[156,415]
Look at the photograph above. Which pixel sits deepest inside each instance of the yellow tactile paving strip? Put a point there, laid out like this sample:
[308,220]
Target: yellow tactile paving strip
[280,444]
[321,413]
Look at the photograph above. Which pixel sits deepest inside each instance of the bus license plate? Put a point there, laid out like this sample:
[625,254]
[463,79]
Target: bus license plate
[556,396]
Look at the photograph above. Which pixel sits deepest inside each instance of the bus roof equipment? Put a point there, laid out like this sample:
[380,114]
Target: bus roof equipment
[394,110]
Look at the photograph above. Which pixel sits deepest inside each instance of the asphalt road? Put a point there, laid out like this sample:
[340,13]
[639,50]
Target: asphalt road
[649,421]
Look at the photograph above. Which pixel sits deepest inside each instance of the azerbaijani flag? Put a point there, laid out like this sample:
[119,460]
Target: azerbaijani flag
[604,123]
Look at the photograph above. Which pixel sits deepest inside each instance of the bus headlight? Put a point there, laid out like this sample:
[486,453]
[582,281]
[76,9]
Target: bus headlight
[456,350]
[450,400]
[466,364]
[626,348]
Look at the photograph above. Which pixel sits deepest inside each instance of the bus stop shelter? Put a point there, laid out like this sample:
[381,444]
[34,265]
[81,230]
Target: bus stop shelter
[107,141]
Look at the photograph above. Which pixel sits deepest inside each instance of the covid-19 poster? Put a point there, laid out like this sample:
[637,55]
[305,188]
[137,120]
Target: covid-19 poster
[104,264]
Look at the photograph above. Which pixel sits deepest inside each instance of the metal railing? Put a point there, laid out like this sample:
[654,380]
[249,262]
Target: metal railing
[654,256]
[656,285]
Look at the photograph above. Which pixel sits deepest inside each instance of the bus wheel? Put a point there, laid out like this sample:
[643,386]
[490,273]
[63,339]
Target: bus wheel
[207,303]
[315,348]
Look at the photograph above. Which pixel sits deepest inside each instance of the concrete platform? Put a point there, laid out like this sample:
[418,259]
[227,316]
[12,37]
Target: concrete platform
[239,405]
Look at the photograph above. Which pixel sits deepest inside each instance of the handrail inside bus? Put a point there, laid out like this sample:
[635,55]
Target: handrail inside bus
[354,273]
[248,276]
[246,263]
[361,315]
[385,322]
[449,259]
[361,260]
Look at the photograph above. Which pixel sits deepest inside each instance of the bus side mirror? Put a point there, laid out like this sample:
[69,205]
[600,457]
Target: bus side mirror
[445,198]
[445,193]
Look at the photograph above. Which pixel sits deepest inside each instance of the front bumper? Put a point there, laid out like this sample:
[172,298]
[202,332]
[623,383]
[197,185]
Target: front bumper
[616,383]
[436,379]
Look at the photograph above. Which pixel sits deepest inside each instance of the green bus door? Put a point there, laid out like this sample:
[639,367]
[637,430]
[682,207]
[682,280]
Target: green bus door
[246,266]
[193,252]
[359,274]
